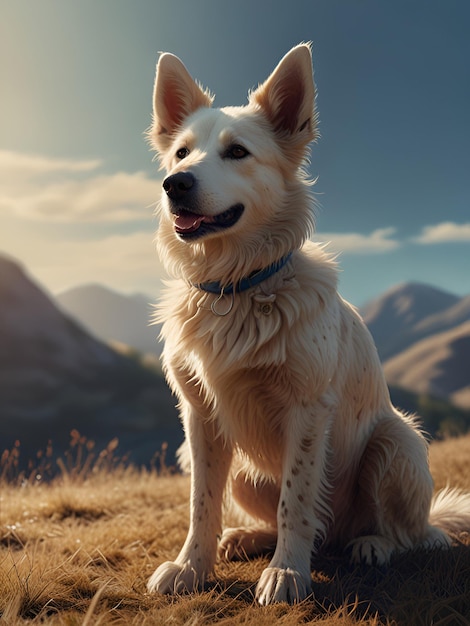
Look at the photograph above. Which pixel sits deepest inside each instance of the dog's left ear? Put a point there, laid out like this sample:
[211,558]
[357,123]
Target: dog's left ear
[287,97]
[176,95]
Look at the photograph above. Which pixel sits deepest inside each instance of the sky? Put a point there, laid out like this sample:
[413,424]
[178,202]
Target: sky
[79,184]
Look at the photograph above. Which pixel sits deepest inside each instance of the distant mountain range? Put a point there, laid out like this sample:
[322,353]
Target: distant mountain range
[114,317]
[59,370]
[438,365]
[422,335]
[409,312]
[55,376]
[399,320]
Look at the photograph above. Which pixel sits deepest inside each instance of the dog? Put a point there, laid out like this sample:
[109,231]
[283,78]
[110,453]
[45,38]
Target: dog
[281,393]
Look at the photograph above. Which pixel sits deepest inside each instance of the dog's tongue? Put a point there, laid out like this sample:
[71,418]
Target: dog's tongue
[187,222]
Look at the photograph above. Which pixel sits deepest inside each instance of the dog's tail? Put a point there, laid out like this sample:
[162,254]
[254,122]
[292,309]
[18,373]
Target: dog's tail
[450,510]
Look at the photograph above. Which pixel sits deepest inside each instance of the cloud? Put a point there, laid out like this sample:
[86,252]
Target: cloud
[376,242]
[445,232]
[18,164]
[126,262]
[66,190]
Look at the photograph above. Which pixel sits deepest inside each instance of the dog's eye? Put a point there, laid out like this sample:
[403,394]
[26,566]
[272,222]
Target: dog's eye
[182,153]
[236,152]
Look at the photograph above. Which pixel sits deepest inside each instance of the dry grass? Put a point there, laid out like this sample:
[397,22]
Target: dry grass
[80,550]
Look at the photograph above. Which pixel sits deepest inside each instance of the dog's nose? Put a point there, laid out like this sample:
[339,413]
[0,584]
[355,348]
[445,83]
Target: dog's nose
[178,185]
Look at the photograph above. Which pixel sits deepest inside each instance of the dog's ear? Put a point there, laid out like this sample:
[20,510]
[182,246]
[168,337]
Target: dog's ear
[176,95]
[287,97]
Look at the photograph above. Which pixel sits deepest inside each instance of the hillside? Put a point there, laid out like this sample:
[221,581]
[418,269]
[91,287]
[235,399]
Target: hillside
[113,317]
[55,377]
[401,316]
[444,320]
[398,319]
[80,550]
[438,365]
[421,334]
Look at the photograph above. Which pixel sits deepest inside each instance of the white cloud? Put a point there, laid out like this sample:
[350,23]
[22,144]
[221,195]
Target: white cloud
[60,192]
[24,166]
[127,263]
[445,232]
[64,190]
[376,242]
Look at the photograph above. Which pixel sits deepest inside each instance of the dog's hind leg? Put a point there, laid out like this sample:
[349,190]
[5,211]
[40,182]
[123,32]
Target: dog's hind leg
[394,493]
[259,500]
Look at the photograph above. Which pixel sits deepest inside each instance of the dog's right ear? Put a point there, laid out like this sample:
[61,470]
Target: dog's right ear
[175,96]
[287,98]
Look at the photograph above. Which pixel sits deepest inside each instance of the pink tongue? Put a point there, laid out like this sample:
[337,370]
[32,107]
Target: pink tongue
[188,222]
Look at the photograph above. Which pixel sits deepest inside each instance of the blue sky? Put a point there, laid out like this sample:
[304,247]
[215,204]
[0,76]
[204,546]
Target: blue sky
[77,181]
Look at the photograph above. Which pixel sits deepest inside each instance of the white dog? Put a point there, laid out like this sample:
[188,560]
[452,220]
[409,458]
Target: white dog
[281,391]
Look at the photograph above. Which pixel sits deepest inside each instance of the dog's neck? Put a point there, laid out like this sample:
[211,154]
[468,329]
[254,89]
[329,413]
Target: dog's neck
[253,279]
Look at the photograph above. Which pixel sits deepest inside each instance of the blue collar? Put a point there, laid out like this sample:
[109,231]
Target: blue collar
[253,279]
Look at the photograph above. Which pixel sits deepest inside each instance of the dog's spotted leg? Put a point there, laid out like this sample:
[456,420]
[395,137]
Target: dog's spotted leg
[302,508]
[210,461]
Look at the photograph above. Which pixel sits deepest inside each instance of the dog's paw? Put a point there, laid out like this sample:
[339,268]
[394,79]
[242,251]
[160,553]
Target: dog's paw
[231,545]
[242,543]
[282,585]
[371,550]
[173,578]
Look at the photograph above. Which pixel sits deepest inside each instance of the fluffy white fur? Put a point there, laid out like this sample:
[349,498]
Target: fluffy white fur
[280,387]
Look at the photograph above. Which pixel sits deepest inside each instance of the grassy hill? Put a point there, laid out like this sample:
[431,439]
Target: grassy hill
[79,550]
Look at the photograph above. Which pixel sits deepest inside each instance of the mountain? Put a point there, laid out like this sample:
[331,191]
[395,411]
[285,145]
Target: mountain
[113,317]
[409,312]
[421,334]
[438,365]
[55,377]
[445,320]
[401,317]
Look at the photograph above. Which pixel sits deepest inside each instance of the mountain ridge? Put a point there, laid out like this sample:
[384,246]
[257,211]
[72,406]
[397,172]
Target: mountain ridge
[54,377]
[398,319]
[437,365]
[96,306]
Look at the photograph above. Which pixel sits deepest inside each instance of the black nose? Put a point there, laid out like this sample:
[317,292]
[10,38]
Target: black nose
[178,185]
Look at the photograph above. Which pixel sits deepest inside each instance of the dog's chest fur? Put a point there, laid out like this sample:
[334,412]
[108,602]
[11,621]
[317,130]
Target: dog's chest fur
[272,351]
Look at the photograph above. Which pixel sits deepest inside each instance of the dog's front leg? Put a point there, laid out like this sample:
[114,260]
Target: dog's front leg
[210,462]
[302,508]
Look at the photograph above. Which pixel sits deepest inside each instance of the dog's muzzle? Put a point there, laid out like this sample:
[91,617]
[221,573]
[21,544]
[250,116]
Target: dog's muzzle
[190,223]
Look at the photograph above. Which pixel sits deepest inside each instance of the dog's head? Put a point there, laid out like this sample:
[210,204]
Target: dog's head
[234,183]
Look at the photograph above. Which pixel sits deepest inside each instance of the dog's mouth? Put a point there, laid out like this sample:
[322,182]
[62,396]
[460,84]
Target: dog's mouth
[189,225]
